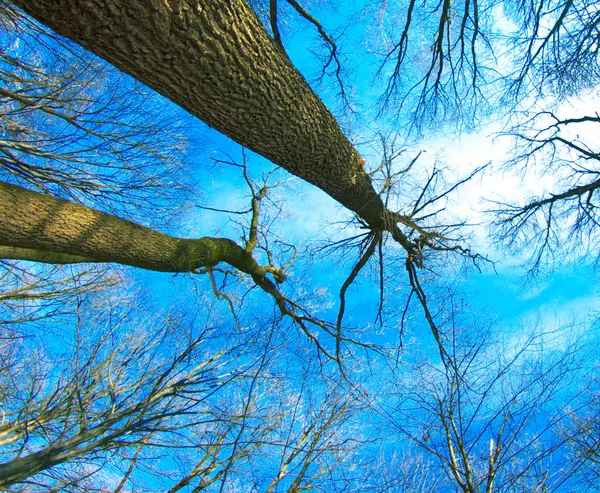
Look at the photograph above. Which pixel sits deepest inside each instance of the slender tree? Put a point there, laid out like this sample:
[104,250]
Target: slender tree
[76,127]
[496,414]
[561,223]
[172,402]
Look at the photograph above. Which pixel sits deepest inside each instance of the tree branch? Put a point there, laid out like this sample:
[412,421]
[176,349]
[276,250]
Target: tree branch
[50,230]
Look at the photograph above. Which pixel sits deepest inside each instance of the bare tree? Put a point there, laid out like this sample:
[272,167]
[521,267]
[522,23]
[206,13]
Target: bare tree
[74,126]
[460,68]
[586,443]
[113,389]
[495,413]
[124,401]
[563,222]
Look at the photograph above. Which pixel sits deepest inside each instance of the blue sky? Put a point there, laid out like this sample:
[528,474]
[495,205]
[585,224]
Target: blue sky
[299,214]
[564,295]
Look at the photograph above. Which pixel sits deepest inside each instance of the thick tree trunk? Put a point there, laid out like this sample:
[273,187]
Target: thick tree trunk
[39,227]
[215,59]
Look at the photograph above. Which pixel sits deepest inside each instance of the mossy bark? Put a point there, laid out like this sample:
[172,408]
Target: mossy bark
[38,227]
[215,59]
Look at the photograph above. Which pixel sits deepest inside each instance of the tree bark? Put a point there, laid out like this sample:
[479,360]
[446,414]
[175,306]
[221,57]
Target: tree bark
[38,227]
[215,59]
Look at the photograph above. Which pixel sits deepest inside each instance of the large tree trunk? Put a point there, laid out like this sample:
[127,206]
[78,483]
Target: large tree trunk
[215,59]
[38,227]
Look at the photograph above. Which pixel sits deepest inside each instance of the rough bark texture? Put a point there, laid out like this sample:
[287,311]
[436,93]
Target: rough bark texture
[15,253]
[52,230]
[216,60]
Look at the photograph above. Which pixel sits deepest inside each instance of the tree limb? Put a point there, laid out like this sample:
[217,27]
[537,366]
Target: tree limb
[42,228]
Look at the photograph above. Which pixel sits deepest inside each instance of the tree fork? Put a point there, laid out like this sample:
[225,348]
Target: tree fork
[215,59]
[38,227]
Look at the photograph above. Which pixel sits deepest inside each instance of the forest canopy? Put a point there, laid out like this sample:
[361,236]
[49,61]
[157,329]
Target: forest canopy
[282,246]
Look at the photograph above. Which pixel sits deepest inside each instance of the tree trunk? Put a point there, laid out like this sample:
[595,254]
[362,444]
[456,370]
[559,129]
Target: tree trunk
[215,59]
[38,227]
